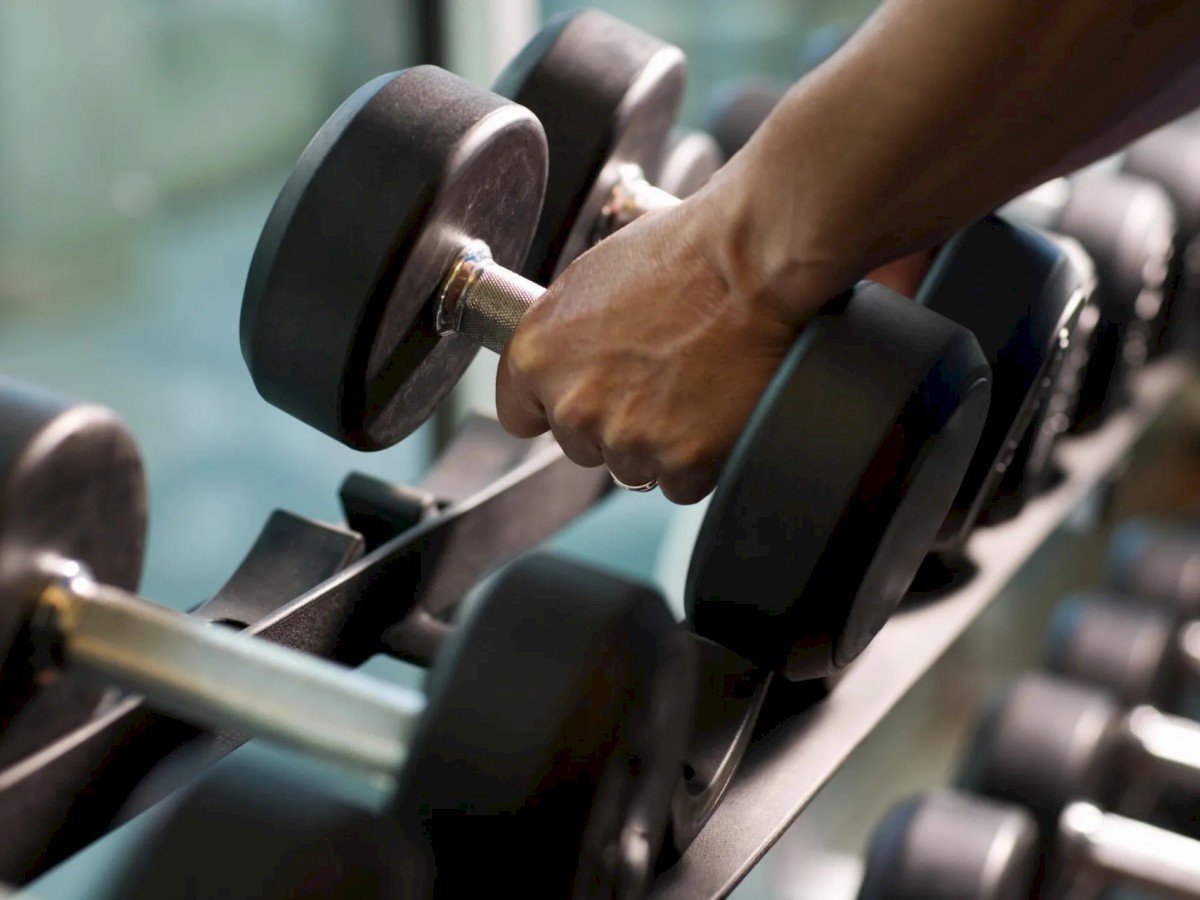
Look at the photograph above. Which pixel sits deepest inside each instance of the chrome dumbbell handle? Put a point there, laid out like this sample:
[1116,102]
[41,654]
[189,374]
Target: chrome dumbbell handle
[1168,745]
[486,302]
[220,679]
[483,300]
[631,197]
[1099,849]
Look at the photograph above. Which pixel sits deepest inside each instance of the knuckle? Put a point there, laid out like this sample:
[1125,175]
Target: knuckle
[630,435]
[526,356]
[577,411]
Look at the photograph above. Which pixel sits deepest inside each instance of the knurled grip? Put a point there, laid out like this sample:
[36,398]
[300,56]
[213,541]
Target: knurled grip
[493,303]
[483,300]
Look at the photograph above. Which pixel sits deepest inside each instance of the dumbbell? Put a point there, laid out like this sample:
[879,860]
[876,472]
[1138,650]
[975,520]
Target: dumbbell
[377,243]
[1156,561]
[1022,296]
[556,712]
[1022,340]
[949,845]
[1045,741]
[1137,652]
[1128,226]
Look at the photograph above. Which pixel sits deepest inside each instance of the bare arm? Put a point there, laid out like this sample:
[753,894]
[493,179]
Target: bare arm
[936,111]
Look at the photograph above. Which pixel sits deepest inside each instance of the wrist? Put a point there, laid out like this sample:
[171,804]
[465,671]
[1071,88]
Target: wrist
[764,230]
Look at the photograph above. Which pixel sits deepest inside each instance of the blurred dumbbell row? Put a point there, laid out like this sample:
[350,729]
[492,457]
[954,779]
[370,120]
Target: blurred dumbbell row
[1082,780]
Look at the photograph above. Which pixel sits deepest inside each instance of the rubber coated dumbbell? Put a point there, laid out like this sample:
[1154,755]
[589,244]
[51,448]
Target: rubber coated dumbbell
[1022,296]
[380,240]
[948,845]
[1128,226]
[1157,561]
[561,682]
[1047,741]
[1137,652]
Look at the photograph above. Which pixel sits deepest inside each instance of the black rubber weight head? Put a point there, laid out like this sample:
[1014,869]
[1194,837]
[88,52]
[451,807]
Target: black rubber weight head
[337,321]
[738,109]
[1042,743]
[244,830]
[607,94]
[1020,295]
[71,487]
[1113,643]
[838,484]
[948,845]
[557,718]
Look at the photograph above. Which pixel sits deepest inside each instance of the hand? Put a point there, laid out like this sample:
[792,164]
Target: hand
[642,357]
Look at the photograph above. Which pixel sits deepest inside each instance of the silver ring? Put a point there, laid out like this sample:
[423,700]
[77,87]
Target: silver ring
[635,488]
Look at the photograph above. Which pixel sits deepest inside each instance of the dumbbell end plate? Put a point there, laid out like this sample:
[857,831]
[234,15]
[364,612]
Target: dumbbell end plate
[337,323]
[607,94]
[838,484]
[554,735]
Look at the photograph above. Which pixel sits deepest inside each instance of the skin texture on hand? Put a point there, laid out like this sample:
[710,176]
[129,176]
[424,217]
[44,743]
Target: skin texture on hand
[650,351]
[643,358]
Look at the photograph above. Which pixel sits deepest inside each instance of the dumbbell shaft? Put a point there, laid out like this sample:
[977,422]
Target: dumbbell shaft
[1111,848]
[1169,745]
[486,301]
[217,678]
[632,197]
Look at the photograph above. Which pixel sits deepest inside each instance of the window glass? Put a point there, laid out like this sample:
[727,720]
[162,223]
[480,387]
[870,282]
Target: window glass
[142,143]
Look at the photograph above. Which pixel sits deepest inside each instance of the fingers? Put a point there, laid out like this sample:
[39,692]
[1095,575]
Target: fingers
[529,401]
[517,405]
[579,446]
[630,469]
[688,486]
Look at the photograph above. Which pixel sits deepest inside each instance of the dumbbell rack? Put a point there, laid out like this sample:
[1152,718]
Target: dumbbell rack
[797,753]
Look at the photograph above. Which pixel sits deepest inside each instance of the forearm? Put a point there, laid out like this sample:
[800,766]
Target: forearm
[936,111]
